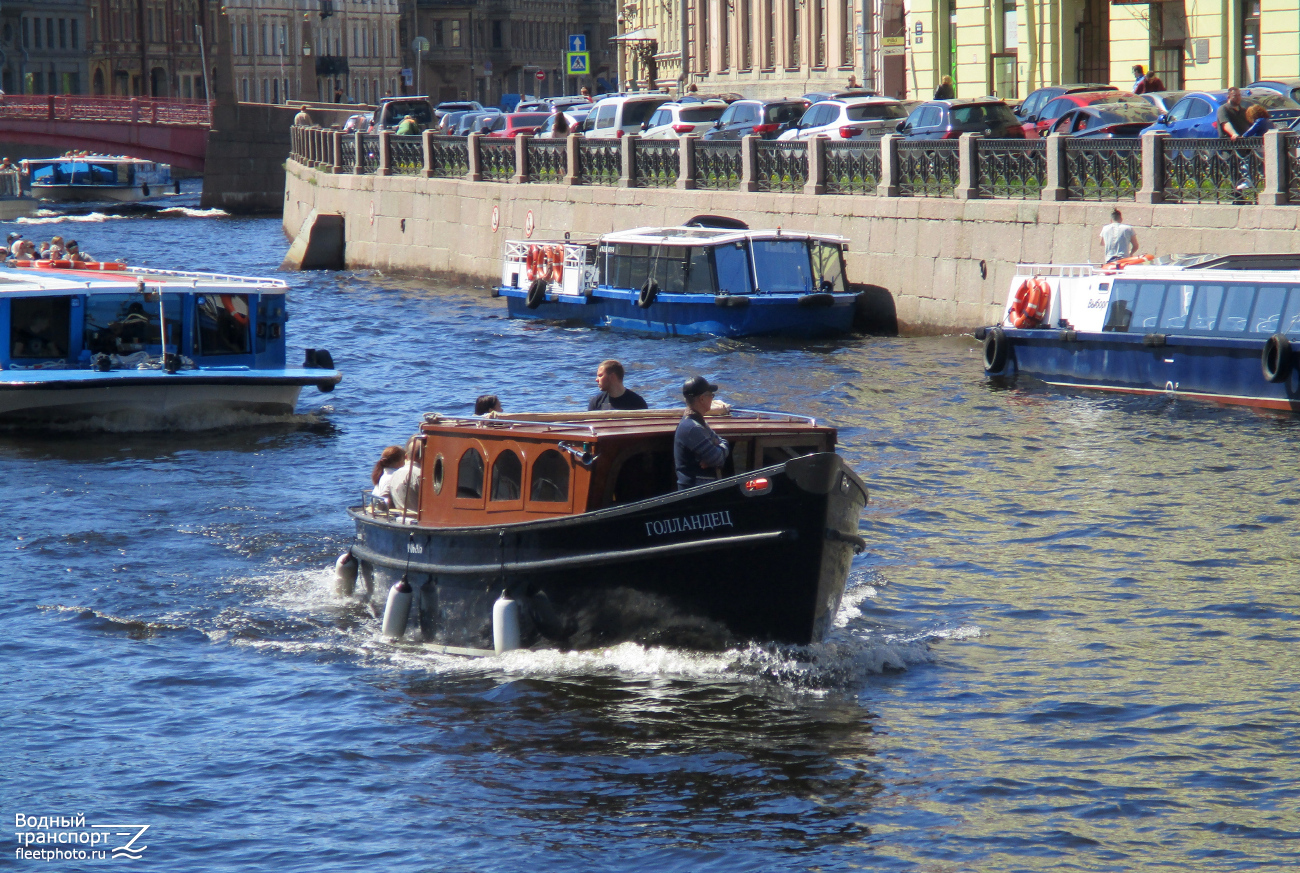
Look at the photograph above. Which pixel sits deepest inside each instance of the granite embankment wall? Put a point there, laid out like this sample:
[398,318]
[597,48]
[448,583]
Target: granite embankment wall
[945,264]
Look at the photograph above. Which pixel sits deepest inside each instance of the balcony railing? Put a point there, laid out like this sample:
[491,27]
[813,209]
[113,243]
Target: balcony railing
[1182,170]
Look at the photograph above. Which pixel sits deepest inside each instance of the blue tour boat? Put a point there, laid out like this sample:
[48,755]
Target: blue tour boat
[85,339]
[90,178]
[685,280]
[1209,327]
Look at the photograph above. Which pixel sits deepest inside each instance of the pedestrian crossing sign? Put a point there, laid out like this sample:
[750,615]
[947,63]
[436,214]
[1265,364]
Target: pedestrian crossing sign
[579,63]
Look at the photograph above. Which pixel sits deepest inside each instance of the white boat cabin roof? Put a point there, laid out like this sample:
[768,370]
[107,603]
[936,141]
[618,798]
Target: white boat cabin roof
[703,236]
[36,282]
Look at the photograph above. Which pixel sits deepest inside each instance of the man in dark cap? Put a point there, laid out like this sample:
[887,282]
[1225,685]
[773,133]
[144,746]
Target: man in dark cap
[698,452]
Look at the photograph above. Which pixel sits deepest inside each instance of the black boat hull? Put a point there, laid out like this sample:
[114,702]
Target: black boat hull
[708,567]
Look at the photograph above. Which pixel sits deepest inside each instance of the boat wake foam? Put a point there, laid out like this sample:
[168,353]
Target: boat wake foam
[194,213]
[92,217]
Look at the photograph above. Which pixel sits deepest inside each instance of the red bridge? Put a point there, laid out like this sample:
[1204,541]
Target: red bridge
[168,131]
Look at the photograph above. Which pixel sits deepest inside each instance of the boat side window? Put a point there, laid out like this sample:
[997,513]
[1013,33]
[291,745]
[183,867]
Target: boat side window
[270,319]
[550,478]
[223,324]
[469,475]
[732,262]
[642,475]
[1146,309]
[1236,308]
[1268,309]
[667,266]
[122,324]
[699,273]
[39,327]
[1120,313]
[1205,309]
[507,476]
[783,265]
[1178,303]
[828,267]
[1291,315]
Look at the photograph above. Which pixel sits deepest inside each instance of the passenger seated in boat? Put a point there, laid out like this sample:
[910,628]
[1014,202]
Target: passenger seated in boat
[57,252]
[403,484]
[488,404]
[35,339]
[698,452]
[75,253]
[390,461]
[609,378]
[132,332]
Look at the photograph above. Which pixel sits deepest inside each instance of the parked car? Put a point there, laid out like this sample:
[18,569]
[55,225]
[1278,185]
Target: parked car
[566,102]
[616,116]
[515,123]
[765,118]
[675,120]
[456,106]
[447,124]
[472,122]
[1163,100]
[1196,115]
[531,106]
[1285,87]
[1106,120]
[949,119]
[392,110]
[575,116]
[818,96]
[1029,108]
[848,118]
[1056,108]
[360,122]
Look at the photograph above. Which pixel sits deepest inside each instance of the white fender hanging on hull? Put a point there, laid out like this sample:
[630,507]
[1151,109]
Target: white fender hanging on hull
[397,609]
[345,574]
[505,624]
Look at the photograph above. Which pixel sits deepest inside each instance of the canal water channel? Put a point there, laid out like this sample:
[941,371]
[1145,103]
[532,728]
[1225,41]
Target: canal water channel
[1071,645]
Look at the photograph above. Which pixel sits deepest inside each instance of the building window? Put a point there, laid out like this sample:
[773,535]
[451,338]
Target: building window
[498,40]
[76,38]
[769,44]
[455,34]
[846,12]
[702,10]
[437,33]
[724,35]
[63,33]
[792,60]
[746,50]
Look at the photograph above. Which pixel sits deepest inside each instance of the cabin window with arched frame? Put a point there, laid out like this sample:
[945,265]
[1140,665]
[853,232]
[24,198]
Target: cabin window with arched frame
[507,477]
[469,475]
[550,482]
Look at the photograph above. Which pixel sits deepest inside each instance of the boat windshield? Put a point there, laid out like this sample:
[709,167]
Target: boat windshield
[122,324]
[1204,307]
[78,173]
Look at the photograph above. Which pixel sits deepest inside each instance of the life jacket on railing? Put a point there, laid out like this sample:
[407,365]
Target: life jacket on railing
[1115,266]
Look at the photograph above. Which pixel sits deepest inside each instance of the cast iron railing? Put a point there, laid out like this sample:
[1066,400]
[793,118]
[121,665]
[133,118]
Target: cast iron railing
[718,165]
[1014,169]
[1103,169]
[600,163]
[928,168]
[348,153]
[496,159]
[657,163]
[405,155]
[780,166]
[852,167]
[369,153]
[1213,170]
[449,156]
[1291,147]
[548,160]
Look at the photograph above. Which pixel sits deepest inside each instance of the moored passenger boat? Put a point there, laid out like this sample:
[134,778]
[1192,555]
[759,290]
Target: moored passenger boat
[86,339]
[87,178]
[571,523]
[685,280]
[1210,327]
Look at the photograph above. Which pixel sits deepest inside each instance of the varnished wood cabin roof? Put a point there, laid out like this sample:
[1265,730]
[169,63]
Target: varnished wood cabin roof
[615,423]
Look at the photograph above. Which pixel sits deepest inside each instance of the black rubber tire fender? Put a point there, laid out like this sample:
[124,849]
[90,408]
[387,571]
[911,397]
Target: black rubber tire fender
[817,300]
[731,301]
[1275,362]
[995,350]
[536,294]
[645,298]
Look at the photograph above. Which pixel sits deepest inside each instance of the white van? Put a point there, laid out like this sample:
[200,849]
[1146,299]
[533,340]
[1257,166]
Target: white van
[615,116]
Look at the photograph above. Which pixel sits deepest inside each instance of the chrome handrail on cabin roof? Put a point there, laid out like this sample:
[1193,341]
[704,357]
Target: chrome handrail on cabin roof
[590,428]
[144,273]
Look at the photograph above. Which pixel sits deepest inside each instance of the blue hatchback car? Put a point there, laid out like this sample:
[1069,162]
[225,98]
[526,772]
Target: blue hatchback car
[1195,115]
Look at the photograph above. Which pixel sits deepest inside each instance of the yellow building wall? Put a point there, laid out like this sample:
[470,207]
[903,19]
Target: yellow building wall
[1279,40]
[973,39]
[923,60]
[1213,21]
[1130,43]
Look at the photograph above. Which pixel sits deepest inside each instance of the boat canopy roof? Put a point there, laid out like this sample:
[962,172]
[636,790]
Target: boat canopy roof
[39,281]
[706,236]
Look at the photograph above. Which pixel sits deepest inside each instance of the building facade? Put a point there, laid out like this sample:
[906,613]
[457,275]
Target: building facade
[769,48]
[43,47]
[342,51]
[149,48]
[484,50]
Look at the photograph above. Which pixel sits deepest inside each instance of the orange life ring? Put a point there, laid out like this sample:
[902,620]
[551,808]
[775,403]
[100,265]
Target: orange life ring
[1038,300]
[59,264]
[23,263]
[557,263]
[535,256]
[1021,298]
[228,303]
[1115,266]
